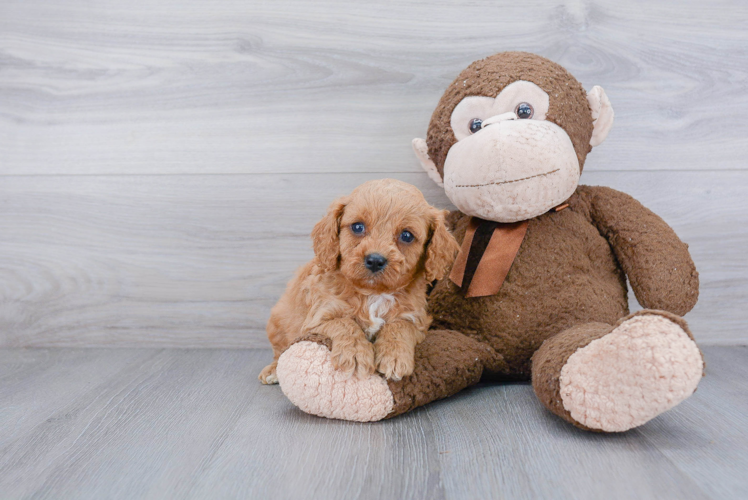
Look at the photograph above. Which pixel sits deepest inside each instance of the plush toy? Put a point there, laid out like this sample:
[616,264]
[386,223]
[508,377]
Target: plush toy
[538,290]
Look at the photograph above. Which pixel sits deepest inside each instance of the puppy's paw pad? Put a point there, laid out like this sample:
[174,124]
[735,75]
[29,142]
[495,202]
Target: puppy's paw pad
[309,380]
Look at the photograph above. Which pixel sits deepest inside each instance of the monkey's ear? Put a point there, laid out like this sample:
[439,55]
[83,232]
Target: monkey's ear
[326,235]
[602,115]
[422,152]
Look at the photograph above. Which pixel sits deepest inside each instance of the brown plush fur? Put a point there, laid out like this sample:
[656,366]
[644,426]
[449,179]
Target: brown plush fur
[566,288]
[445,364]
[571,269]
[548,361]
[487,77]
[570,272]
[335,294]
[567,284]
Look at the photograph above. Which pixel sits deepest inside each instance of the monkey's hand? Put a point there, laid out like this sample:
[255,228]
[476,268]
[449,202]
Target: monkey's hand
[657,263]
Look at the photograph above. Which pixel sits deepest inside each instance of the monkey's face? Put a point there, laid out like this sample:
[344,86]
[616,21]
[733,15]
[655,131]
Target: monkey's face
[510,135]
[509,163]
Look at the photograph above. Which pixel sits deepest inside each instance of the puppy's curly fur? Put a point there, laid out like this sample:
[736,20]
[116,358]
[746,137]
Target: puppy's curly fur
[336,295]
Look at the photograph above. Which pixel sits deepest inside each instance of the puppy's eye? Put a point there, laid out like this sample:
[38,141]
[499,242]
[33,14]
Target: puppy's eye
[524,110]
[358,228]
[406,237]
[475,125]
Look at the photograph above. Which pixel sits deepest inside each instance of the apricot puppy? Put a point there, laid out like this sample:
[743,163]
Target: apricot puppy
[376,251]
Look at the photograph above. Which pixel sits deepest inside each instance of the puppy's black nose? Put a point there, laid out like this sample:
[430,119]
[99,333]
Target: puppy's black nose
[375,262]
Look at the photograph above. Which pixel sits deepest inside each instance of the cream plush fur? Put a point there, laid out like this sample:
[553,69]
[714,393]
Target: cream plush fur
[616,393]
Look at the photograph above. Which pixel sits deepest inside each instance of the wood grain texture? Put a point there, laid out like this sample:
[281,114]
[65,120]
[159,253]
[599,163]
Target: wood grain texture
[199,260]
[162,162]
[704,417]
[236,86]
[197,424]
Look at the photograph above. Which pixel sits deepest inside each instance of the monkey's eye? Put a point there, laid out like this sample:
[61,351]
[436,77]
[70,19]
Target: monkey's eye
[406,237]
[358,228]
[475,125]
[524,110]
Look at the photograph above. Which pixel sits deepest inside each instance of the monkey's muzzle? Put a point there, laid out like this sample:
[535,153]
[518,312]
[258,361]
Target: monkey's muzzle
[511,170]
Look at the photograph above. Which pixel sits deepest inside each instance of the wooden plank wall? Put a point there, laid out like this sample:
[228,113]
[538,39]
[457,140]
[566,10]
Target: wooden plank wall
[162,162]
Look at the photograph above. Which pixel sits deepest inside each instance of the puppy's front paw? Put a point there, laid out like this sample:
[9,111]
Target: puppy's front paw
[356,357]
[394,360]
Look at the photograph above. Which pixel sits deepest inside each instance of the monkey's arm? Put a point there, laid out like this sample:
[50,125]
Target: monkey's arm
[657,263]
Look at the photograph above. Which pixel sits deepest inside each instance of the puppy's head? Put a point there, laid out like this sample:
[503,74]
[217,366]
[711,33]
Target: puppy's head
[383,235]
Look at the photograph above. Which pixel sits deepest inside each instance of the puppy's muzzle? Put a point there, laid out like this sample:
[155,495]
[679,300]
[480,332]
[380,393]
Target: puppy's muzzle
[375,262]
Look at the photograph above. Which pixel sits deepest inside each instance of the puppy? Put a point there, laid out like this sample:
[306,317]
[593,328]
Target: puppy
[376,251]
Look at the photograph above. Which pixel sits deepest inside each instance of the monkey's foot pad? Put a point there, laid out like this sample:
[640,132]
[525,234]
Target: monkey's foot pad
[309,381]
[644,367]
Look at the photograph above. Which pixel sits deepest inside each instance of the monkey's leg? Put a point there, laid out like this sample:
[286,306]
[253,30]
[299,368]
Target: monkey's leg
[614,378]
[445,363]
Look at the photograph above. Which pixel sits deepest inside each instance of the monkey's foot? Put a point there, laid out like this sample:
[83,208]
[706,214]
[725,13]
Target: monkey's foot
[309,381]
[643,367]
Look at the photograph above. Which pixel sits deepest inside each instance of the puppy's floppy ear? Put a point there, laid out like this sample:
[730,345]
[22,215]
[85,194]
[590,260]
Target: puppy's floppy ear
[326,235]
[441,249]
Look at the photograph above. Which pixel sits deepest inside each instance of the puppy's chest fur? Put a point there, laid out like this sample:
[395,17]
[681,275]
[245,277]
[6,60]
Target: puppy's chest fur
[377,306]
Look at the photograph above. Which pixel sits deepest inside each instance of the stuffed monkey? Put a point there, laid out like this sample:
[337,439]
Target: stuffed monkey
[538,291]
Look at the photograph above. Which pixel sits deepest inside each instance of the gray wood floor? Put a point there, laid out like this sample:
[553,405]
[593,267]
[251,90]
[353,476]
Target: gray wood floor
[170,423]
[162,163]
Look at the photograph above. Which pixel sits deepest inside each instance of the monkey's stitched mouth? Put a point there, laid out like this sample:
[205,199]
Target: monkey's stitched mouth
[497,183]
